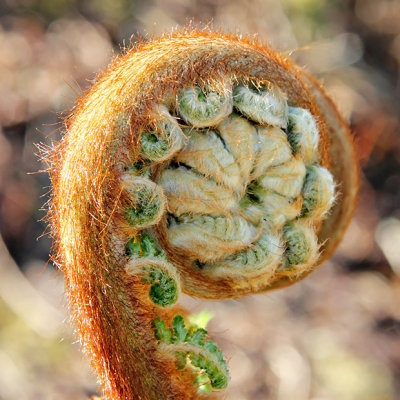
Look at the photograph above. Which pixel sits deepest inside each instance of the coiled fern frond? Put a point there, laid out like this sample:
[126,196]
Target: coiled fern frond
[199,162]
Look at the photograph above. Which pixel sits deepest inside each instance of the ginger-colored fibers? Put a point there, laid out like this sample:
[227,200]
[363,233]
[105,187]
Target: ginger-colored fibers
[199,162]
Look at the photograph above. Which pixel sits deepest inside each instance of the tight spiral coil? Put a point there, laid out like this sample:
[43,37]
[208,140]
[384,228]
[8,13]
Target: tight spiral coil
[202,163]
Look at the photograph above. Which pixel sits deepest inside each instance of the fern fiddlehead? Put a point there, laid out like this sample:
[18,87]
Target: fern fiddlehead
[212,175]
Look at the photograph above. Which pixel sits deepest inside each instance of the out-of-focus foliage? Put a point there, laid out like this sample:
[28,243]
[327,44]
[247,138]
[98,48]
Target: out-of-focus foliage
[334,336]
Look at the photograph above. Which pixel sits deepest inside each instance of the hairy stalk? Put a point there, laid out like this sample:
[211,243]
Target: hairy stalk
[198,162]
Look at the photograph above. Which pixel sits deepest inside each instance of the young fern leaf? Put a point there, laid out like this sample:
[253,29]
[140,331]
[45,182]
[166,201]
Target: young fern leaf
[201,107]
[267,106]
[165,140]
[198,162]
[193,351]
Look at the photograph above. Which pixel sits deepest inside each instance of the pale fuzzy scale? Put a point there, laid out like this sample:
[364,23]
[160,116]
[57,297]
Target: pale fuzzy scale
[204,107]
[302,249]
[166,140]
[147,201]
[303,134]
[206,153]
[286,179]
[254,213]
[240,137]
[280,209]
[277,209]
[206,238]
[266,106]
[271,149]
[264,255]
[318,192]
[190,192]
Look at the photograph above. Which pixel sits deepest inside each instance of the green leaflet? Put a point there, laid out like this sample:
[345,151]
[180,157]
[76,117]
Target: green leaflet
[147,204]
[207,358]
[303,134]
[301,244]
[143,246]
[153,146]
[318,192]
[140,168]
[180,332]
[161,332]
[203,107]
[164,140]
[197,336]
[297,248]
[163,289]
[154,269]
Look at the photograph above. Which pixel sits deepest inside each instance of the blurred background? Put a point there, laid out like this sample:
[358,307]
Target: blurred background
[335,335]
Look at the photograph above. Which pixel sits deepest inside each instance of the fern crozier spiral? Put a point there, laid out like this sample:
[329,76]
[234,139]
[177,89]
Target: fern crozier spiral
[198,162]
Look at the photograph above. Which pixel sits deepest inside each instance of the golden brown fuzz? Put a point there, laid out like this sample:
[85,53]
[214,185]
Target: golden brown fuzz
[198,162]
